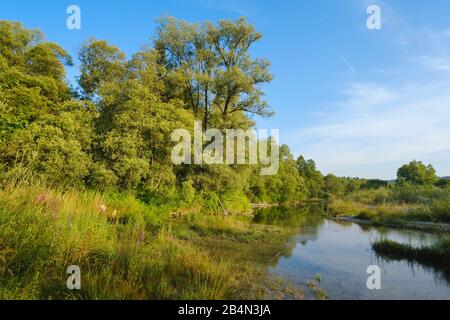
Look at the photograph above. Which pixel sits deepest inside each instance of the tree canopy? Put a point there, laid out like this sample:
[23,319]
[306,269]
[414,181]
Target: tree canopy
[416,172]
[112,132]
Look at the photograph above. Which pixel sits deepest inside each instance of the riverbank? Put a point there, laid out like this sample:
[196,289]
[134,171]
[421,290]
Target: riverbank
[436,254]
[129,250]
[432,218]
[415,225]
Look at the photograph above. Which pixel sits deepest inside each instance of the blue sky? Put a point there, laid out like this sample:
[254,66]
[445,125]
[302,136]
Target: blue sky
[359,102]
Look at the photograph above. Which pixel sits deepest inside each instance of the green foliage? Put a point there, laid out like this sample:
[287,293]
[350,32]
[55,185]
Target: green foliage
[210,68]
[31,78]
[408,193]
[100,63]
[443,183]
[334,185]
[371,196]
[374,184]
[312,176]
[114,134]
[438,253]
[417,173]
[287,186]
[55,148]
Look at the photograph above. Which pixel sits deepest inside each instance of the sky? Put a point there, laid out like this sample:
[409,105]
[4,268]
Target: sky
[359,102]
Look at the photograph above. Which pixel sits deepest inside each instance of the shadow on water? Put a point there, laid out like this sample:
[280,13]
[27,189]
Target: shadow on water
[439,272]
[341,252]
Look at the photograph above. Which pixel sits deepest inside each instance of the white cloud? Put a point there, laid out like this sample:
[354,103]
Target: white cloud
[377,126]
[365,95]
[375,129]
[438,64]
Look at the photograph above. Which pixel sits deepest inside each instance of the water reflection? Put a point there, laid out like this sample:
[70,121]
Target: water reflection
[341,253]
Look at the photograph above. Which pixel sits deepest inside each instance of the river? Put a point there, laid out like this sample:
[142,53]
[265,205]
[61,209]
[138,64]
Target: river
[340,252]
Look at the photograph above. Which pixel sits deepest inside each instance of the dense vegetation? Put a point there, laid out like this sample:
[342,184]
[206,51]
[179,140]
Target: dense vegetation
[112,131]
[129,250]
[417,195]
[438,253]
[86,176]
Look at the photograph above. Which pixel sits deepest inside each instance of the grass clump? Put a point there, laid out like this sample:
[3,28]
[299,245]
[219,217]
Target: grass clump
[438,253]
[126,249]
[345,207]
[122,249]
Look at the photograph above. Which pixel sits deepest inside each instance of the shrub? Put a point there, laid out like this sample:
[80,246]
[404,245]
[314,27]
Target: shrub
[366,214]
[339,207]
[371,196]
[438,253]
[407,193]
[441,210]
[421,213]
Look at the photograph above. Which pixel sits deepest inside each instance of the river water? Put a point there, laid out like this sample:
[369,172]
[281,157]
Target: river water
[340,252]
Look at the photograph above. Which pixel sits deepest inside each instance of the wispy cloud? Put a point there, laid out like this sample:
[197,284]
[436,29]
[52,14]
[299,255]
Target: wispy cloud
[434,63]
[349,66]
[376,128]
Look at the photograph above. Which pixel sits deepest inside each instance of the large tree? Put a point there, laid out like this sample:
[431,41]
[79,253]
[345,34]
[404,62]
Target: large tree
[212,65]
[313,177]
[45,134]
[132,145]
[416,172]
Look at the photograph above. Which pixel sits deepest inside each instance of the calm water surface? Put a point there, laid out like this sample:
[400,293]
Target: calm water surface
[341,253]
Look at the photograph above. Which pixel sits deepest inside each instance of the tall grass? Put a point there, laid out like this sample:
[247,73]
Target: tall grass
[396,204]
[121,246]
[438,253]
[127,249]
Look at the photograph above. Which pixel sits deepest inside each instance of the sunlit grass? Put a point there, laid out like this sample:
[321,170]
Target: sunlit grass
[126,249]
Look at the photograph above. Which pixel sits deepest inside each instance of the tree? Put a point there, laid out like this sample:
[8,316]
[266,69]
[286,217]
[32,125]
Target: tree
[334,185]
[134,123]
[54,150]
[31,77]
[443,182]
[417,173]
[285,186]
[45,134]
[212,65]
[100,63]
[115,132]
[374,184]
[313,177]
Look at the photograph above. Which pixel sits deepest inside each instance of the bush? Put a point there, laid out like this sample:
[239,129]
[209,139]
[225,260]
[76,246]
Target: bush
[438,253]
[407,193]
[366,214]
[421,213]
[371,196]
[339,207]
[441,210]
